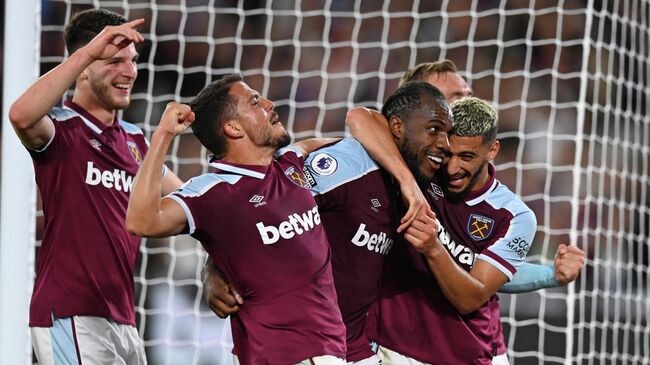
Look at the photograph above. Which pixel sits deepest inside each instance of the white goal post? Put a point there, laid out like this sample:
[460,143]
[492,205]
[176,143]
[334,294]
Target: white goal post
[571,81]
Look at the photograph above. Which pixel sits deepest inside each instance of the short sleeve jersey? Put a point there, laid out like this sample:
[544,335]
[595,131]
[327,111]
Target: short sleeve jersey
[262,228]
[356,200]
[491,224]
[87,257]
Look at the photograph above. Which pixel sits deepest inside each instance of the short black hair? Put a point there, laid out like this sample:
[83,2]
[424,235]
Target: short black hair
[212,107]
[85,25]
[409,97]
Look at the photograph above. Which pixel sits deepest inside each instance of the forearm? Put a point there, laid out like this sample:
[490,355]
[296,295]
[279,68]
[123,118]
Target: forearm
[46,92]
[307,146]
[464,291]
[531,277]
[144,203]
[371,129]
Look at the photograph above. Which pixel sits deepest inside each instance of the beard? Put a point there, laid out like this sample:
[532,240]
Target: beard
[103,94]
[413,163]
[264,137]
[461,195]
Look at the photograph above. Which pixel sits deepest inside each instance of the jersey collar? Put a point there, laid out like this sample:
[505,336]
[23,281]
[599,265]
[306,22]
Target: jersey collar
[90,121]
[478,196]
[255,171]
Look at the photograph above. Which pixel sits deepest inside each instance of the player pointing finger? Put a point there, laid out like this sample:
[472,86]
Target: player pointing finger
[112,39]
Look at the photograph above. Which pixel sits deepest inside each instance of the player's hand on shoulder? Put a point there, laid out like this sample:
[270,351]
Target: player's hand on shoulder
[176,118]
[422,234]
[221,297]
[112,39]
[568,262]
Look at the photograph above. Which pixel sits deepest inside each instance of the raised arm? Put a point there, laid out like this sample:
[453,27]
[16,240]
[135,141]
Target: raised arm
[28,114]
[565,269]
[307,146]
[372,130]
[148,215]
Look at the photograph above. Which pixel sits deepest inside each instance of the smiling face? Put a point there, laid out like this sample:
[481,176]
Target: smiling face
[258,117]
[466,169]
[110,81]
[424,143]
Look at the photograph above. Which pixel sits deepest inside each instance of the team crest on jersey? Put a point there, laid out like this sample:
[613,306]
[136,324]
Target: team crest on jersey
[297,177]
[479,227]
[135,152]
[324,164]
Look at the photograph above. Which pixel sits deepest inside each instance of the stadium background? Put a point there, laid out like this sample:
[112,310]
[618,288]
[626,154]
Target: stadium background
[570,80]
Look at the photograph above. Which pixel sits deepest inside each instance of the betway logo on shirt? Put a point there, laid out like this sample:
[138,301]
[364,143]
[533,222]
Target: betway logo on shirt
[296,224]
[116,179]
[460,252]
[378,242]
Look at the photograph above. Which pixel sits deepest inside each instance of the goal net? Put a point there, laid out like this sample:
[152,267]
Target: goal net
[570,80]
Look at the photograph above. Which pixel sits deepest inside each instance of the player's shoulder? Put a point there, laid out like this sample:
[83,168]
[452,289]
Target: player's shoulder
[335,164]
[200,185]
[61,115]
[130,128]
[501,197]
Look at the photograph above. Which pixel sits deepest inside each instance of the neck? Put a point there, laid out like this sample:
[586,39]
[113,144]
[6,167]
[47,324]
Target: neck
[93,107]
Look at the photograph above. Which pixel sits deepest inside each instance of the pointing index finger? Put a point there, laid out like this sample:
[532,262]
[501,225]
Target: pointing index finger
[135,23]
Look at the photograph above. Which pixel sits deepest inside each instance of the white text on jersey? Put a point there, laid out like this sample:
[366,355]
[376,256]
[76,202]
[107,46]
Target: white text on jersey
[117,178]
[297,224]
[378,242]
[461,253]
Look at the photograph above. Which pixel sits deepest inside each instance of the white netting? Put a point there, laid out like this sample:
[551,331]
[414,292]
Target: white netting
[570,80]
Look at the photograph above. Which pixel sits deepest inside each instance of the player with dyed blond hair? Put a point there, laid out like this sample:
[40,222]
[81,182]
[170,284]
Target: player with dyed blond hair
[444,75]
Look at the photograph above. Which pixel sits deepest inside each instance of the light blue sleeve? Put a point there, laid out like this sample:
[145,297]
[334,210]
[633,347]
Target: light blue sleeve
[531,277]
[335,165]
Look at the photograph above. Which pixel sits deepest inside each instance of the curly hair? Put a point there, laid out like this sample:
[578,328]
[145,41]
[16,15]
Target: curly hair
[410,97]
[475,117]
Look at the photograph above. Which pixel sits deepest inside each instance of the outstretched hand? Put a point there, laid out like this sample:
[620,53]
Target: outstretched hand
[415,202]
[112,39]
[176,118]
[568,262]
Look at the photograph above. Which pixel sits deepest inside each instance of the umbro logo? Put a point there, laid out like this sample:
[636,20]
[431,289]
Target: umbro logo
[96,145]
[375,205]
[257,200]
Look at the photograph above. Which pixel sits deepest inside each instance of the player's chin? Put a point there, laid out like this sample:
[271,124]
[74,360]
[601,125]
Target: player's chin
[121,103]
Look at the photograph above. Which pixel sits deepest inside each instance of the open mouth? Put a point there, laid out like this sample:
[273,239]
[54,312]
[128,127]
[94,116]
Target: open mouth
[435,159]
[456,181]
[275,119]
[122,86]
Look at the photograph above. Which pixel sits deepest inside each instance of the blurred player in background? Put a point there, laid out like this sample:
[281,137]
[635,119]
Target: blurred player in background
[85,159]
[256,218]
[568,261]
